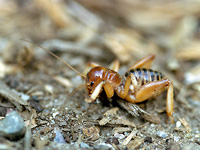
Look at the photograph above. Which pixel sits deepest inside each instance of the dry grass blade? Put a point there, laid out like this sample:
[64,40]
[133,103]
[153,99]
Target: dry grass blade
[189,52]
[71,47]
[135,143]
[121,129]
[11,96]
[131,135]
[126,43]
[185,124]
[111,117]
[56,12]
[65,82]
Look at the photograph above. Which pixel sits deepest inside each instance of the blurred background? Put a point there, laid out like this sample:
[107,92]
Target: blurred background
[106,30]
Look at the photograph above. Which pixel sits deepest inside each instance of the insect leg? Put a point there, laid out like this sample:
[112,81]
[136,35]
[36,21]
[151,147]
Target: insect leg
[89,66]
[95,93]
[144,63]
[114,65]
[154,88]
[170,101]
[109,90]
[123,91]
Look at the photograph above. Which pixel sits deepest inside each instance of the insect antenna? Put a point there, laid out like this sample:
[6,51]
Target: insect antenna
[75,90]
[82,75]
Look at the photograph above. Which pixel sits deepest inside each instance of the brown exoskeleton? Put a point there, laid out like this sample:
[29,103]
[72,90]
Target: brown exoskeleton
[137,85]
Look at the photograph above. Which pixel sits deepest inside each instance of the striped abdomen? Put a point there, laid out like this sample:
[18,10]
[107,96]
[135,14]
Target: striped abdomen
[142,76]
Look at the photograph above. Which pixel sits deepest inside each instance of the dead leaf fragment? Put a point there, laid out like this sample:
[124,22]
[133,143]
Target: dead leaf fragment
[132,109]
[121,129]
[152,118]
[91,132]
[185,124]
[108,116]
[122,121]
[135,143]
[65,82]
[111,117]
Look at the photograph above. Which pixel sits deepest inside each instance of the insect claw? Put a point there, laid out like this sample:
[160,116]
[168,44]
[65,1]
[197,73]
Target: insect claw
[89,100]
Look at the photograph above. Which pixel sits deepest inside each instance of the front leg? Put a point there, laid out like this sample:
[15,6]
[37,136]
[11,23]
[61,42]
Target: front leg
[123,89]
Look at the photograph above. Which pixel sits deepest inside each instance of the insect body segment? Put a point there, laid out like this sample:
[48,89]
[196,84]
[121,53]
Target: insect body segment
[99,78]
[142,76]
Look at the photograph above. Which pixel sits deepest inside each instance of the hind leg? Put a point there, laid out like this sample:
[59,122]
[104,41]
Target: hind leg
[114,65]
[155,88]
[144,63]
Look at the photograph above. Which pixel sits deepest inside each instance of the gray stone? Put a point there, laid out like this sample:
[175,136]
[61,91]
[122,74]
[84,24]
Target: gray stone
[162,134]
[84,145]
[12,126]
[59,137]
[191,146]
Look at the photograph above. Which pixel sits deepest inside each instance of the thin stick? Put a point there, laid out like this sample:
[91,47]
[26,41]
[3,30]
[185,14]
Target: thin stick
[56,57]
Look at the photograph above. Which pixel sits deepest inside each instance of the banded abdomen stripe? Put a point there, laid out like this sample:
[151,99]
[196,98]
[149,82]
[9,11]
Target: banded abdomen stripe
[144,76]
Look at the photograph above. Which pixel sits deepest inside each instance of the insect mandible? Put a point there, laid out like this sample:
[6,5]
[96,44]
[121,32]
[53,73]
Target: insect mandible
[137,85]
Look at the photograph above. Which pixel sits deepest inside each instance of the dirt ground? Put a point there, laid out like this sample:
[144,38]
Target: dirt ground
[82,31]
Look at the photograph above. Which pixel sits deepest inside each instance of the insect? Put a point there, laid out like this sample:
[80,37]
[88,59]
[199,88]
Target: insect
[137,85]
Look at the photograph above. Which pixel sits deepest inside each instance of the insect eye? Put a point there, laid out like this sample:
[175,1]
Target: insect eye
[92,83]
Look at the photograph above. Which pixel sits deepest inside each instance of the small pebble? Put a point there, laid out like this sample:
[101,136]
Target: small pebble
[119,136]
[176,138]
[49,88]
[12,126]
[25,97]
[59,137]
[162,134]
[84,145]
[178,124]
[104,146]
[35,98]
